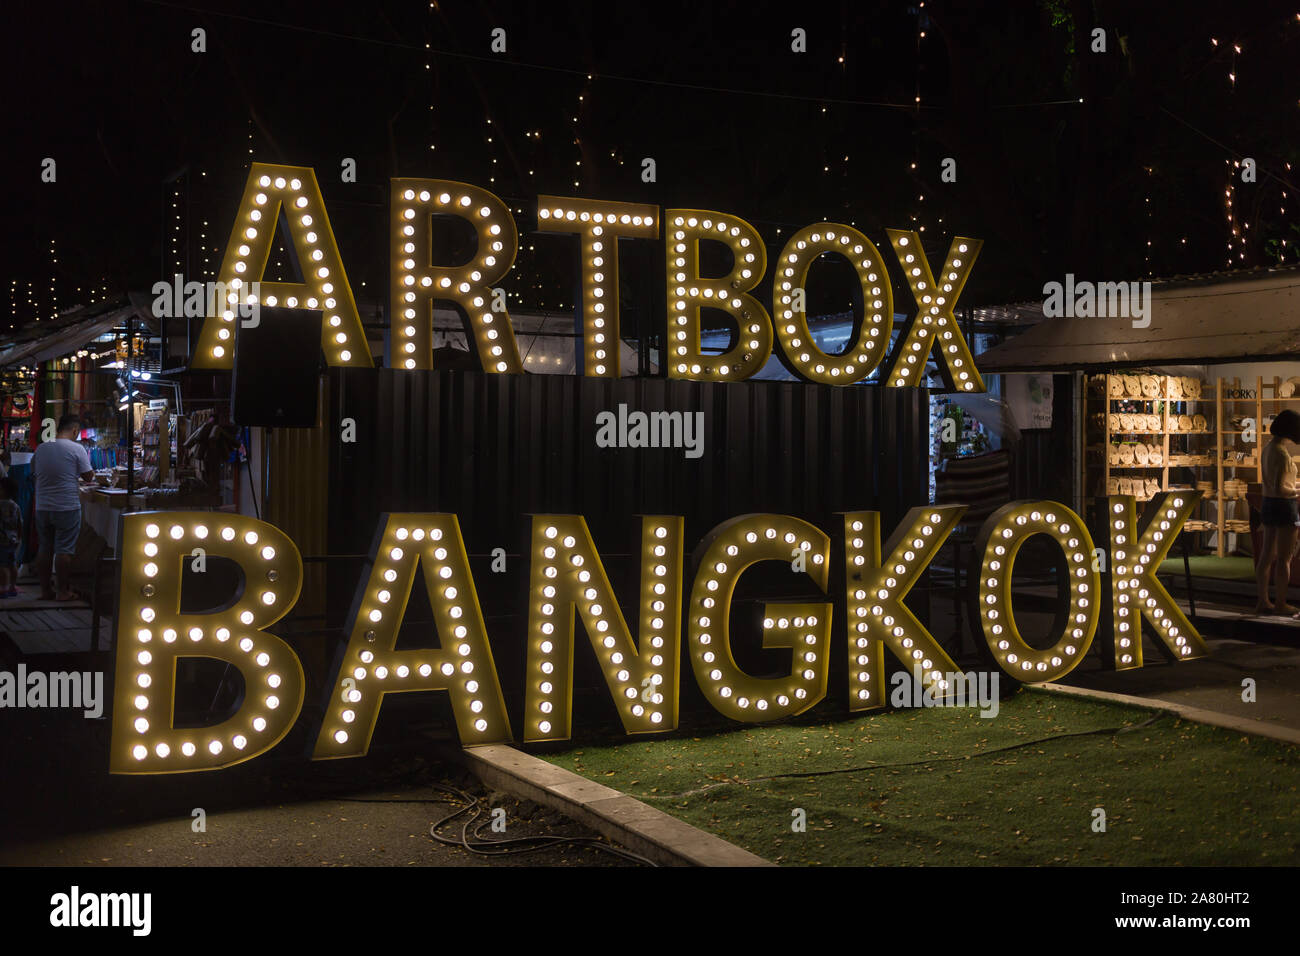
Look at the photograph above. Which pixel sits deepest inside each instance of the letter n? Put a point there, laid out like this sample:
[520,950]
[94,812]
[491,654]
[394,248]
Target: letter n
[568,576]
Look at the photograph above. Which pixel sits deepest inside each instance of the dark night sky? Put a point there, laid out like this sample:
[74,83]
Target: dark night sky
[113,92]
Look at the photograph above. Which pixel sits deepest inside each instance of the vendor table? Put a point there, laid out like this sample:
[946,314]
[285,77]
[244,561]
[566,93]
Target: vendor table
[101,507]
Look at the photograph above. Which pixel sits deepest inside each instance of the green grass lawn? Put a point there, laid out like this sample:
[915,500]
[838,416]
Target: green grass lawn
[1210,566]
[943,786]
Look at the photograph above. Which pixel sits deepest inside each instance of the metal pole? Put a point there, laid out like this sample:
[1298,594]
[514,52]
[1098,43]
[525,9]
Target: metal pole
[130,410]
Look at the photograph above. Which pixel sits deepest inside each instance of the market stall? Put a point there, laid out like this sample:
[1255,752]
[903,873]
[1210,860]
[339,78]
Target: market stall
[105,364]
[1181,400]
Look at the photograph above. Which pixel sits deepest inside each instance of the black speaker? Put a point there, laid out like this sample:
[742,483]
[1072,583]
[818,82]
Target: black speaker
[277,368]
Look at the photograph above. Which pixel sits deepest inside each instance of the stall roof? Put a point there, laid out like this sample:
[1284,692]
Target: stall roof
[73,330]
[1195,320]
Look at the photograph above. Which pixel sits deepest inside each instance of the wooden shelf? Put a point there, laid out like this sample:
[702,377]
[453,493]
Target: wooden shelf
[1102,403]
[1231,435]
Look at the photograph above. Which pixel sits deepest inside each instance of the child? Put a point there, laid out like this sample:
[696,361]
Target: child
[11,536]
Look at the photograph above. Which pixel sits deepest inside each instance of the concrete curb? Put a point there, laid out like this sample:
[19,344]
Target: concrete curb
[1244,725]
[629,822]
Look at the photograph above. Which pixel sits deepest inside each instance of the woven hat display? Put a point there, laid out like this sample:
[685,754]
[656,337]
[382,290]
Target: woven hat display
[1116,387]
[1184,423]
[1112,486]
[1156,456]
[1199,423]
[1174,387]
[1153,423]
[1132,386]
[1126,453]
[1153,488]
[1150,386]
[1141,453]
[1112,455]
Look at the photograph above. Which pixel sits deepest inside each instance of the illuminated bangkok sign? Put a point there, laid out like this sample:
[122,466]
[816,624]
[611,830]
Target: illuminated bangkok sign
[567,581]
[416,283]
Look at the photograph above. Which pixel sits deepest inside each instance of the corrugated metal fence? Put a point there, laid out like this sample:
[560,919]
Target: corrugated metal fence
[495,448]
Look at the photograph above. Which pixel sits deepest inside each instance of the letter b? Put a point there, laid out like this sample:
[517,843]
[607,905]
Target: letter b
[152,636]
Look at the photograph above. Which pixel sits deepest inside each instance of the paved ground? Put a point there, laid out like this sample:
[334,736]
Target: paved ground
[1213,684]
[1266,650]
[380,828]
[59,806]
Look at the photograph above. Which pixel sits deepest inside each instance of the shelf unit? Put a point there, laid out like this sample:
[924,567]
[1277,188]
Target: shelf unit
[1228,438]
[155,444]
[1101,436]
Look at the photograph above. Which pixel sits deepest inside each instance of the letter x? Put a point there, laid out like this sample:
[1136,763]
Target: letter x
[934,323]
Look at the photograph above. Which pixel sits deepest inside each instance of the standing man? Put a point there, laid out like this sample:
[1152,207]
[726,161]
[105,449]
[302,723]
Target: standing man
[56,466]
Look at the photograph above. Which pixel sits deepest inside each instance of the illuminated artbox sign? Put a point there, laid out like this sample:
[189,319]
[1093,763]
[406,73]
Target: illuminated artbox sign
[416,283]
[568,582]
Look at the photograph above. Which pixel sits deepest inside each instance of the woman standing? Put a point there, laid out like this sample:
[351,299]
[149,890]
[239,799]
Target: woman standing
[1279,515]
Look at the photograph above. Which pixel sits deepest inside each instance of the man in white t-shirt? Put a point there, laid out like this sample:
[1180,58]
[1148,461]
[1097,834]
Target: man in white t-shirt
[56,466]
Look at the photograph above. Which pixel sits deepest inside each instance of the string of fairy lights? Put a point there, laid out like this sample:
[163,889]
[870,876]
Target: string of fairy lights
[1252,235]
[921,22]
[30,303]
[1239,223]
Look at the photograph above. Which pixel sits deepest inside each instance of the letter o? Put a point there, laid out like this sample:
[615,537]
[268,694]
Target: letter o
[1000,539]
